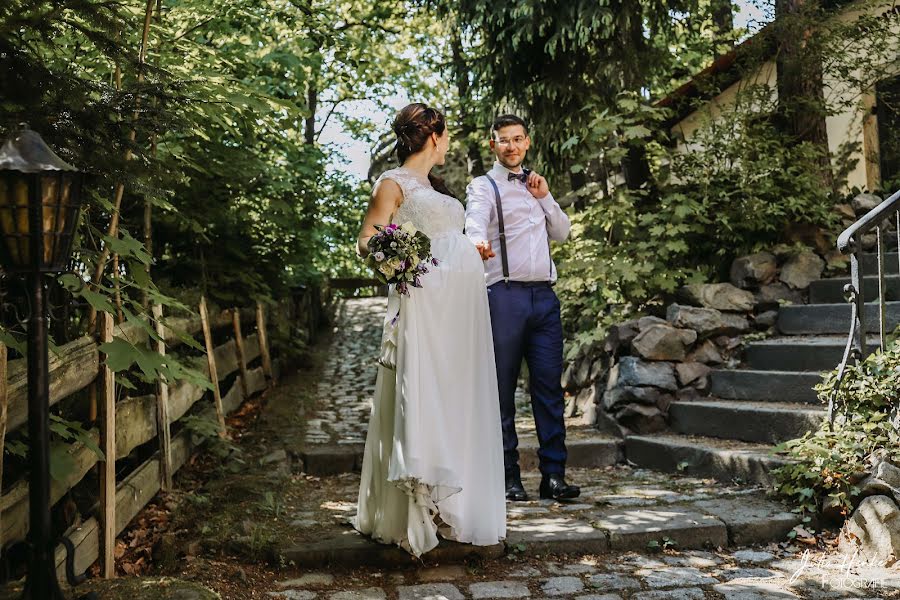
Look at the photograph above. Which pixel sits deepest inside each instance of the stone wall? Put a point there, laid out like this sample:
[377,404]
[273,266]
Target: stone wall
[626,383]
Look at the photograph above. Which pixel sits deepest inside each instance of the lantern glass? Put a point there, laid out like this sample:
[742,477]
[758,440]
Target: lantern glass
[56,194]
[14,193]
[40,195]
[59,216]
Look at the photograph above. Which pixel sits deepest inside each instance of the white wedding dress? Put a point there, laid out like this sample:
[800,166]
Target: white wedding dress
[434,450]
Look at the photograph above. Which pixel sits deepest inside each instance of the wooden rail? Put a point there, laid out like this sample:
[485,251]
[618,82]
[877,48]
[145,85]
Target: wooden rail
[131,422]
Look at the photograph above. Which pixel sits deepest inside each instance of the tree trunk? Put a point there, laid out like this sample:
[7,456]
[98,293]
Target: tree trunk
[801,95]
[474,161]
[312,100]
[723,24]
[113,230]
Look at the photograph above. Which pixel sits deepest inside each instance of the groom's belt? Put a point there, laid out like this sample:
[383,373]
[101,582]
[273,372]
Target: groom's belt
[527,284]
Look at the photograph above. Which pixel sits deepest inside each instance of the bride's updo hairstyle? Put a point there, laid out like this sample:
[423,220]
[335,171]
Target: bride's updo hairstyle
[413,127]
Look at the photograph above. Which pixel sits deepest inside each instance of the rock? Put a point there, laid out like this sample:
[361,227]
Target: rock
[873,530]
[802,269]
[884,480]
[570,408]
[846,211]
[706,321]
[721,296]
[687,394]
[587,397]
[766,319]
[835,260]
[753,556]
[641,419]
[372,593]
[783,252]
[312,580]
[272,457]
[775,294]
[568,378]
[649,321]
[706,353]
[607,424]
[430,591]
[663,342]
[598,371]
[498,589]
[562,586]
[619,336]
[753,270]
[807,234]
[613,581]
[863,203]
[589,416]
[632,371]
[665,400]
[869,241]
[619,396]
[583,373]
[690,372]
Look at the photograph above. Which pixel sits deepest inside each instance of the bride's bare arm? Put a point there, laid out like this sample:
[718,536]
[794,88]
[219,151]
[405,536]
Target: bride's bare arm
[386,198]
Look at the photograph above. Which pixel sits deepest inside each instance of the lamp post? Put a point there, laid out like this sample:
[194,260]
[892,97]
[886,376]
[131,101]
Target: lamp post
[40,196]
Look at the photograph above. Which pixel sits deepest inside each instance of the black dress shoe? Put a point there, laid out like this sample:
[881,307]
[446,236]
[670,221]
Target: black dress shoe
[514,490]
[554,486]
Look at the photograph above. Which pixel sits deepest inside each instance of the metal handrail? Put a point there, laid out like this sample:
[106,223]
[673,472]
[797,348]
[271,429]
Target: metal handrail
[848,243]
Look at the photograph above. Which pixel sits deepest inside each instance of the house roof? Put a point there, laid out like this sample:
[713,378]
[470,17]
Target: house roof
[711,81]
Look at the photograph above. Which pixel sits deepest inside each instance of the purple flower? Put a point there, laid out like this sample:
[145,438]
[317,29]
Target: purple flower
[434,261]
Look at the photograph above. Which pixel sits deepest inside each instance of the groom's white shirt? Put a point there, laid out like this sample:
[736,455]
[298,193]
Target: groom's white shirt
[527,222]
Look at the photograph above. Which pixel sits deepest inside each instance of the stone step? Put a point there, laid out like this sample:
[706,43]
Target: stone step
[725,460]
[814,319]
[762,422]
[795,353]
[870,262]
[586,448]
[825,291]
[773,386]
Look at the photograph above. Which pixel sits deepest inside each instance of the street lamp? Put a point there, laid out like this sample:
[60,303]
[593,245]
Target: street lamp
[40,195]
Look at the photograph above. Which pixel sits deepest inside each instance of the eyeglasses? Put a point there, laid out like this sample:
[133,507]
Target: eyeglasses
[518,140]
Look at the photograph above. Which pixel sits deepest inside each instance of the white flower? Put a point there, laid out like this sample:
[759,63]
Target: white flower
[408,228]
[379,256]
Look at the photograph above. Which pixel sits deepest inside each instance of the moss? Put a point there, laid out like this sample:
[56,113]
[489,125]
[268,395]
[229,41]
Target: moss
[133,588]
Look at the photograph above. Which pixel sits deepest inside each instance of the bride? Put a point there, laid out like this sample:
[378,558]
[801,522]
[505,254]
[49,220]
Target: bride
[433,461]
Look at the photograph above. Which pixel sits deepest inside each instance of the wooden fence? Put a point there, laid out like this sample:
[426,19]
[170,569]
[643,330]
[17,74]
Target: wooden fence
[134,421]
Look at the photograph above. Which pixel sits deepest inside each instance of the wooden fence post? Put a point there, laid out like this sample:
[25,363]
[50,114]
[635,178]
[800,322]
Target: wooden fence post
[239,350]
[263,338]
[162,409]
[4,403]
[107,407]
[211,361]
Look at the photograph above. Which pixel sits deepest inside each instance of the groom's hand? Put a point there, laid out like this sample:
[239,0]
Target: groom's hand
[537,186]
[484,249]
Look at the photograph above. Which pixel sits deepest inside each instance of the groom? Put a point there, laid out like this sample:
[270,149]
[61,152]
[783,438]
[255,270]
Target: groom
[511,211]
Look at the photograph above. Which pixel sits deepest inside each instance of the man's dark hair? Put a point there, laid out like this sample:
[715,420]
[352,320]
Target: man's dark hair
[507,120]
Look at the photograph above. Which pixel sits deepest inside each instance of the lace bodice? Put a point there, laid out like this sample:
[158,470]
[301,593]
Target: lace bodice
[427,209]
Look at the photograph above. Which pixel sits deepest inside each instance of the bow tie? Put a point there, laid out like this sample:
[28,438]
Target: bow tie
[523,176]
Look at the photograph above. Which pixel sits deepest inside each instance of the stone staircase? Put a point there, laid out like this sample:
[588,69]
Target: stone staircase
[769,399]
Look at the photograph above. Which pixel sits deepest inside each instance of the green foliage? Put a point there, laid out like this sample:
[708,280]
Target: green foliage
[548,60]
[832,460]
[631,248]
[63,433]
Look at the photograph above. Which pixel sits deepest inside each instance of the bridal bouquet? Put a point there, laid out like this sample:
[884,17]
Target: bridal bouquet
[400,255]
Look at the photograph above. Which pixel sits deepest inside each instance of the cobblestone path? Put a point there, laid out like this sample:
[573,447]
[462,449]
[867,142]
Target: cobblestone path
[652,518]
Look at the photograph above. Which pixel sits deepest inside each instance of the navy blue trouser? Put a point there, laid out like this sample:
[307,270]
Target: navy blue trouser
[526,324]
